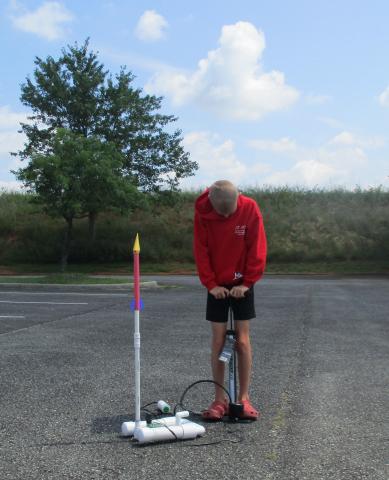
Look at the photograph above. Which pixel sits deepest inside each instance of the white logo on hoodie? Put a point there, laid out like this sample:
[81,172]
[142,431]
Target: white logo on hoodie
[240,230]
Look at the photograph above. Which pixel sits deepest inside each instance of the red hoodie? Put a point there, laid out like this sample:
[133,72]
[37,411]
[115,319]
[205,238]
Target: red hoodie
[232,250]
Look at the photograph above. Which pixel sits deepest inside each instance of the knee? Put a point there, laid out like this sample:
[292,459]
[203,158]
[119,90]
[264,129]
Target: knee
[218,342]
[243,344]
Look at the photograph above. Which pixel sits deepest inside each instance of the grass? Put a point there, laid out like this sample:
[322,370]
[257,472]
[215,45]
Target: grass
[313,231]
[54,268]
[337,268]
[98,269]
[90,274]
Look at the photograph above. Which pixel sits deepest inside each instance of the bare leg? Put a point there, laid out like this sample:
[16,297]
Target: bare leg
[218,338]
[243,347]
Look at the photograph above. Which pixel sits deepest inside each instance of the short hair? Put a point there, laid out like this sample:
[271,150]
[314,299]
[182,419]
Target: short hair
[223,195]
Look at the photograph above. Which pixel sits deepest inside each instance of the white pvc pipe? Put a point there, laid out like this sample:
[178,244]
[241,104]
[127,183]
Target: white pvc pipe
[185,431]
[128,428]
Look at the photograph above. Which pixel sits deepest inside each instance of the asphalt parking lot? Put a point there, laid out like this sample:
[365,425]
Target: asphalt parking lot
[320,379]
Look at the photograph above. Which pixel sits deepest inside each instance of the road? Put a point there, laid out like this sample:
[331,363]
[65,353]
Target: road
[320,380]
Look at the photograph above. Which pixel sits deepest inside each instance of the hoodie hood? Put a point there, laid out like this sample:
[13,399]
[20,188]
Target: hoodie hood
[204,208]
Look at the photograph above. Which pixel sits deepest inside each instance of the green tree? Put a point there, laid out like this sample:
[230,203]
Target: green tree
[76,92]
[77,175]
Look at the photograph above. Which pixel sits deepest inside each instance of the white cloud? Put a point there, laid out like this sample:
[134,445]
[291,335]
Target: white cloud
[9,119]
[384,98]
[332,122]
[230,81]
[317,99]
[348,159]
[46,21]
[151,26]
[284,144]
[216,159]
[344,138]
[306,172]
[342,161]
[10,141]
[11,186]
[322,166]
[349,139]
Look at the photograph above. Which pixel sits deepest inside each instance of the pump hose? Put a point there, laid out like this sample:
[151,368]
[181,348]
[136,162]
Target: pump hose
[181,401]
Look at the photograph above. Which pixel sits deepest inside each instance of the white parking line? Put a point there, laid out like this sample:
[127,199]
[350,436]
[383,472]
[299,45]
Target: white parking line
[70,293]
[48,303]
[12,316]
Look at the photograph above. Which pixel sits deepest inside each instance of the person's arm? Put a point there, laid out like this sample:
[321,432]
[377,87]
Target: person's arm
[201,254]
[256,249]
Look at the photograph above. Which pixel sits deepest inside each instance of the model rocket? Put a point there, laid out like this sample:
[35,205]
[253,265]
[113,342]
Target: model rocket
[168,428]
[136,253]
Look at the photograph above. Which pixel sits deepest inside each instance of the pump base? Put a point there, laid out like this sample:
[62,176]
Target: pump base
[235,410]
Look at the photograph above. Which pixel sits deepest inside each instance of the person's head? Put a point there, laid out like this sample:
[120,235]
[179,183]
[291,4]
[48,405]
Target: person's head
[223,196]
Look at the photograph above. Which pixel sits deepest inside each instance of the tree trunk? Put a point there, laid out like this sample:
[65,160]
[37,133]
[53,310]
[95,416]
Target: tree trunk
[92,226]
[66,244]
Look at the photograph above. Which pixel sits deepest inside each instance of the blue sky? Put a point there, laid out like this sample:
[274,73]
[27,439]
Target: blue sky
[267,93]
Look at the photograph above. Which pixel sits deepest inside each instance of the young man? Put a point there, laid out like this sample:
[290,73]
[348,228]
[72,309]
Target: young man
[230,253]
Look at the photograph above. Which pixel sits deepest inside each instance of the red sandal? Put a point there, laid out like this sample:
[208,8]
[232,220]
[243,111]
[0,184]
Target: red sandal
[249,412]
[215,411]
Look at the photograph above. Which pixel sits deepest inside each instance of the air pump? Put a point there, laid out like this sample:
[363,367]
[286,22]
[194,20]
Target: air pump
[228,355]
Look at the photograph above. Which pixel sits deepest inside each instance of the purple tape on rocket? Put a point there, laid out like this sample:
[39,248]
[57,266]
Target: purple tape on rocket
[132,304]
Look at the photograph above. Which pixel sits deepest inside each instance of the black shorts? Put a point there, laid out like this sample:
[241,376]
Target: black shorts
[243,308]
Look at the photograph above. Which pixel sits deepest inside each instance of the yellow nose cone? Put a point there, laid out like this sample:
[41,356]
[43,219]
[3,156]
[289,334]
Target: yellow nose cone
[136,248]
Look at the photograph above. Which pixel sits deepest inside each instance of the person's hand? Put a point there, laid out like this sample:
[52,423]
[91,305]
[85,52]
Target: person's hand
[238,291]
[219,292]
